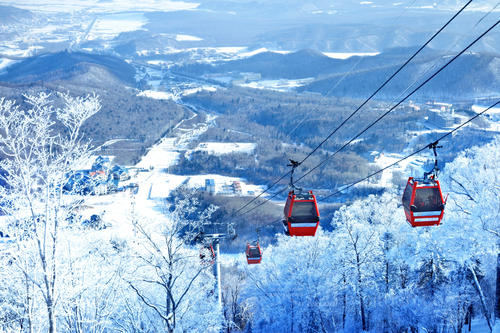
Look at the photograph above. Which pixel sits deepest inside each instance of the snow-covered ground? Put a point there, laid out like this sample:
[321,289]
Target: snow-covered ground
[161,155]
[174,92]
[277,85]
[479,325]
[159,94]
[110,26]
[187,38]
[493,113]
[346,55]
[412,165]
[221,148]
[5,62]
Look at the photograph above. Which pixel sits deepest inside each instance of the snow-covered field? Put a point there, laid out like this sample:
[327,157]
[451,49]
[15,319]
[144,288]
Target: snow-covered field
[110,26]
[493,113]
[346,55]
[412,165]
[187,38]
[160,156]
[5,62]
[277,85]
[221,148]
[159,94]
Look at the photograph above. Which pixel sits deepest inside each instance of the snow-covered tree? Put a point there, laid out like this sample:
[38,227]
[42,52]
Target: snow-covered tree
[40,145]
[294,289]
[174,286]
[236,311]
[474,209]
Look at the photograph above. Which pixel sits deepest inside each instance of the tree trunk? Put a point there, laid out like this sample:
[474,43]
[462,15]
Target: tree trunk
[344,302]
[481,296]
[52,319]
[469,317]
[386,321]
[497,292]
[28,304]
[362,309]
[360,295]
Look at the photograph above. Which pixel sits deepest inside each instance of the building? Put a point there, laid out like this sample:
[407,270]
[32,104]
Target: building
[101,188]
[210,186]
[120,173]
[237,187]
[101,164]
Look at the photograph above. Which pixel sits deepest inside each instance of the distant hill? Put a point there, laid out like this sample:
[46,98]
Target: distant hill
[303,63]
[470,76]
[9,14]
[66,65]
[131,42]
[135,122]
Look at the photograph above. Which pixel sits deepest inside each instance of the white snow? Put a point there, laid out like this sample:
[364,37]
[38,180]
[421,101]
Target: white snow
[198,89]
[47,29]
[493,114]
[221,148]
[158,95]
[346,55]
[383,160]
[155,62]
[110,26]
[86,164]
[479,325]
[260,50]
[187,38]
[14,51]
[277,85]
[5,63]
[160,156]
[479,108]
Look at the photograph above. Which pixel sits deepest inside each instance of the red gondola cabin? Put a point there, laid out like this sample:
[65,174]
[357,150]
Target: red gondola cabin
[253,253]
[301,214]
[423,202]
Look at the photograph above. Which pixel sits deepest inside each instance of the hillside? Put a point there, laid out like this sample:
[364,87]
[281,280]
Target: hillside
[132,122]
[296,65]
[65,65]
[471,76]
[12,15]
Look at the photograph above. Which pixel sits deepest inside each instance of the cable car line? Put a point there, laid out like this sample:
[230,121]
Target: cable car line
[386,82]
[355,66]
[401,101]
[345,187]
[380,117]
[435,65]
[258,196]
[353,113]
